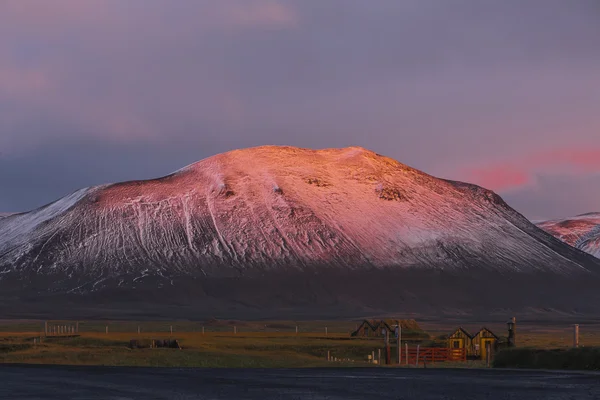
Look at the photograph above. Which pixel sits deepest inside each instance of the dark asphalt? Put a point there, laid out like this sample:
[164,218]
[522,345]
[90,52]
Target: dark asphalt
[58,382]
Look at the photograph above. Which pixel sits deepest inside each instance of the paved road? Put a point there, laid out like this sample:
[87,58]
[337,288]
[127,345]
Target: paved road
[58,382]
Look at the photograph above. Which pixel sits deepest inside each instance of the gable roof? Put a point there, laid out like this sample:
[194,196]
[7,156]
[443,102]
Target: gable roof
[460,329]
[375,325]
[483,328]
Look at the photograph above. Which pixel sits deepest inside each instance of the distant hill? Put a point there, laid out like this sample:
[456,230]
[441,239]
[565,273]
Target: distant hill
[581,231]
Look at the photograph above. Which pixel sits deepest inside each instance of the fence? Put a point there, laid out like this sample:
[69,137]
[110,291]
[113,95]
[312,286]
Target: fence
[61,330]
[431,355]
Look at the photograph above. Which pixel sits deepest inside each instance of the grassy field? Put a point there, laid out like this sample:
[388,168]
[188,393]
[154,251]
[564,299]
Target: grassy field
[254,344]
[223,344]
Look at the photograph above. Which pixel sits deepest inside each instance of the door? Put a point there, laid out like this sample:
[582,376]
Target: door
[484,344]
[456,349]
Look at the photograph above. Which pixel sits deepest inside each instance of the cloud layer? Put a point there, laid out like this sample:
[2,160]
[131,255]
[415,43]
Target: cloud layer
[505,94]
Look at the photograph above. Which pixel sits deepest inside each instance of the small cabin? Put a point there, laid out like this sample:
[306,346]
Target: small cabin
[461,339]
[475,345]
[481,340]
[375,328]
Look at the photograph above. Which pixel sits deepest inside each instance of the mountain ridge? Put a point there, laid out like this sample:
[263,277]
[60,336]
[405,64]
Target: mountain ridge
[581,231]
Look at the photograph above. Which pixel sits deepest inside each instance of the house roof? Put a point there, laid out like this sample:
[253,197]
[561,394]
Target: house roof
[460,329]
[486,329]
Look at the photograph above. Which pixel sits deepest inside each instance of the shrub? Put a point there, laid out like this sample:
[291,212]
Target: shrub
[584,358]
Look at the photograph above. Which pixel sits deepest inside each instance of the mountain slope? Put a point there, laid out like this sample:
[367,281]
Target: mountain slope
[277,214]
[581,231]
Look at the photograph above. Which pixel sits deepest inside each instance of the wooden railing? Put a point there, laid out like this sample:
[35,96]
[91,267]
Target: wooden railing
[432,355]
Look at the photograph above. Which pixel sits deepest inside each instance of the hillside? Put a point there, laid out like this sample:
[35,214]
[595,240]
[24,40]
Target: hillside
[581,231]
[281,228]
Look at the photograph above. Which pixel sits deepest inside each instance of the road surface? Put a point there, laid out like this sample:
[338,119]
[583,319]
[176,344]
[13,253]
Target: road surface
[63,382]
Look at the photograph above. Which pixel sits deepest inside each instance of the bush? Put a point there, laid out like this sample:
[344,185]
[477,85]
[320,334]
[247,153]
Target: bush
[584,358]
[10,347]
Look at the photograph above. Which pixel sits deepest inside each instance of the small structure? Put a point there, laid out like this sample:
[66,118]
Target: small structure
[482,340]
[474,345]
[461,339]
[376,328]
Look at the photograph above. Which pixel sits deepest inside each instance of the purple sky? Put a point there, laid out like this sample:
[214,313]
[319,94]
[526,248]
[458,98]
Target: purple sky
[505,94]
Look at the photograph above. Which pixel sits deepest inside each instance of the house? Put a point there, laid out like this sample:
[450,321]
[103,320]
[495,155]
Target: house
[375,328]
[481,340]
[461,339]
[474,345]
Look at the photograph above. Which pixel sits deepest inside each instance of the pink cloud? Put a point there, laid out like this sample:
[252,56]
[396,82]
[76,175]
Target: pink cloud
[520,172]
[244,14]
[15,82]
[583,160]
[498,177]
[60,16]
[55,86]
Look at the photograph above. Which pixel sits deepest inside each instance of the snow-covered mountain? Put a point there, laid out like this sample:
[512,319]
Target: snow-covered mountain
[581,231]
[237,221]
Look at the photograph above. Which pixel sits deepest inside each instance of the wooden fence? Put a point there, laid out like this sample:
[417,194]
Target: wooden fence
[432,355]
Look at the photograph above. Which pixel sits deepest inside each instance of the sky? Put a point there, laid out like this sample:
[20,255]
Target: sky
[504,94]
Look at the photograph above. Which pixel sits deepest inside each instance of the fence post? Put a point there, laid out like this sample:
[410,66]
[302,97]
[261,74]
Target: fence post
[417,362]
[379,356]
[296,329]
[171,330]
[106,329]
[328,356]
[576,335]
[77,327]
[325,331]
[46,328]
[139,330]
[203,330]
[399,352]
[235,330]
[399,343]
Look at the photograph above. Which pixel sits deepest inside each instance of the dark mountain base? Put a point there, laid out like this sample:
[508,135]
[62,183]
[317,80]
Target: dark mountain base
[330,295]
